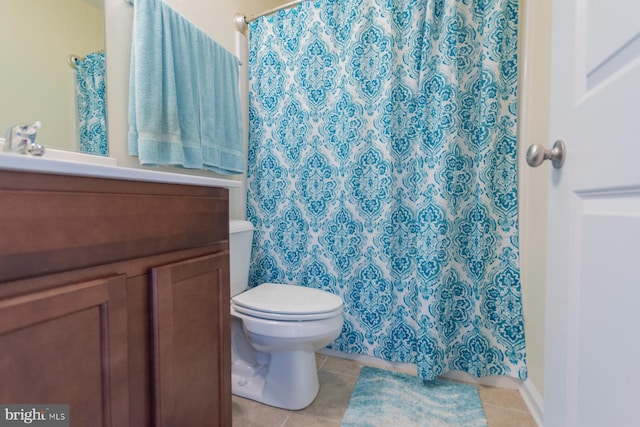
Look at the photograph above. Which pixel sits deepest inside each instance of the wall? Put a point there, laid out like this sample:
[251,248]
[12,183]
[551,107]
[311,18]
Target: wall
[37,82]
[535,45]
[215,17]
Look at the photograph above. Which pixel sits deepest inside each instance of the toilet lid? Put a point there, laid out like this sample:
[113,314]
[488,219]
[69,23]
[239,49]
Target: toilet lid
[288,299]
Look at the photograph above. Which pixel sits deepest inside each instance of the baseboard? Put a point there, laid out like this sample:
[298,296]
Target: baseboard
[407,368]
[534,401]
[410,368]
[489,381]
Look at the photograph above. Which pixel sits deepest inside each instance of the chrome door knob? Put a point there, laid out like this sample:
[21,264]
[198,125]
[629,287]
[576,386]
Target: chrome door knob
[536,154]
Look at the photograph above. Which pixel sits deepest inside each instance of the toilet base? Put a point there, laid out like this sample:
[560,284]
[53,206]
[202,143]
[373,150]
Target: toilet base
[288,381]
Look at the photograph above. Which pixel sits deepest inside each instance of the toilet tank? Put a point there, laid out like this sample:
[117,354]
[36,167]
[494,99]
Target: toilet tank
[240,238]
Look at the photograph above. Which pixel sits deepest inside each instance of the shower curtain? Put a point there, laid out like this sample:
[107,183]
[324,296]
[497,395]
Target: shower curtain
[382,168]
[91,104]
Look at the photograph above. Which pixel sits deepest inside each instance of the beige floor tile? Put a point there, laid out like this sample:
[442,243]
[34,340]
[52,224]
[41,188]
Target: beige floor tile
[302,420]
[333,398]
[400,367]
[320,359]
[247,413]
[341,366]
[338,377]
[502,417]
[505,398]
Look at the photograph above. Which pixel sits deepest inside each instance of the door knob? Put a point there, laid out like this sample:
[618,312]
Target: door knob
[536,154]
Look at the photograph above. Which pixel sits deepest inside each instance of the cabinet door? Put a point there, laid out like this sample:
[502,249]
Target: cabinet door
[192,342]
[68,345]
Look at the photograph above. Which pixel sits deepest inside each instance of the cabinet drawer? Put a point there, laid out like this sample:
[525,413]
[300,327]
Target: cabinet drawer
[86,222]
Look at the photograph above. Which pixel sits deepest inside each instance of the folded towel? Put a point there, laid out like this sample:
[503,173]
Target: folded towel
[184,105]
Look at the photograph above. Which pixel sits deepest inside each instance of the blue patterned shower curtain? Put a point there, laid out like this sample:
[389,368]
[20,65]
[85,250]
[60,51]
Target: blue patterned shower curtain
[91,104]
[382,168]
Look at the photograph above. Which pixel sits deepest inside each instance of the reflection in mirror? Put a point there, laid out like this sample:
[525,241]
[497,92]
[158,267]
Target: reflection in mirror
[38,82]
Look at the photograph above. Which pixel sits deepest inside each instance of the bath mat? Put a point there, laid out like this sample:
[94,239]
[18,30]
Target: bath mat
[384,398]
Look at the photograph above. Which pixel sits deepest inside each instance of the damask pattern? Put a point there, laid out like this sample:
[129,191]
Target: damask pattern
[91,104]
[382,168]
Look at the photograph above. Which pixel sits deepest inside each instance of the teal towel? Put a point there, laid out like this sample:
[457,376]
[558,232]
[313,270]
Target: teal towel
[184,105]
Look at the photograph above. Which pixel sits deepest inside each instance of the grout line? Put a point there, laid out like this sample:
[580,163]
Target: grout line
[286,419]
[323,362]
[522,411]
[318,417]
[342,373]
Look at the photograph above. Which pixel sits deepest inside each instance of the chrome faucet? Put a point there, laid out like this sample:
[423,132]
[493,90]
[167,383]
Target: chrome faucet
[22,139]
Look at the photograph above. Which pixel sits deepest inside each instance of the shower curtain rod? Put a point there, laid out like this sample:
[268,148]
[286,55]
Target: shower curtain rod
[241,21]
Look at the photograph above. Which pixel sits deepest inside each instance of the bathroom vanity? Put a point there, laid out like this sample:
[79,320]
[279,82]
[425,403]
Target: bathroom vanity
[114,297]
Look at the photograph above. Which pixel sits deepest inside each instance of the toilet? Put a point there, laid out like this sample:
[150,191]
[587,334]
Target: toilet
[275,332]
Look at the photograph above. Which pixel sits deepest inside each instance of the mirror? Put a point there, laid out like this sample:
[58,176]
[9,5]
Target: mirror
[38,83]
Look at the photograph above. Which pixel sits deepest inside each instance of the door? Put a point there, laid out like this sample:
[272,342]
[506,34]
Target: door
[191,335]
[593,284]
[68,345]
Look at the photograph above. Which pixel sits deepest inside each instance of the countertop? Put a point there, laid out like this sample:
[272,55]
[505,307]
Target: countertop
[96,167]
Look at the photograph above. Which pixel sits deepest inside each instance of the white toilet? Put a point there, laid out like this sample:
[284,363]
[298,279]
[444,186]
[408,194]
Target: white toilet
[275,331]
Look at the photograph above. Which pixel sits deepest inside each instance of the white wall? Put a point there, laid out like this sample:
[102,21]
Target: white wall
[535,44]
[215,17]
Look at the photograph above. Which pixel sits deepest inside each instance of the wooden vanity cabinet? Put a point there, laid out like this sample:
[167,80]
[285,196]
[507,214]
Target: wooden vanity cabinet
[114,299]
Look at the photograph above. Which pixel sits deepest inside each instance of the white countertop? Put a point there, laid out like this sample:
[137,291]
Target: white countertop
[102,168]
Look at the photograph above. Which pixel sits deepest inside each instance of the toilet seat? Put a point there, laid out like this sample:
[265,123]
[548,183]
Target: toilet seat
[285,317]
[301,330]
[287,303]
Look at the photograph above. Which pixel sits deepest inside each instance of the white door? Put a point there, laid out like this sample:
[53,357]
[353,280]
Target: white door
[592,349]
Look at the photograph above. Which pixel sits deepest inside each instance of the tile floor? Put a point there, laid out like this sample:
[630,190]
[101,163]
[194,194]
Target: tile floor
[503,407]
